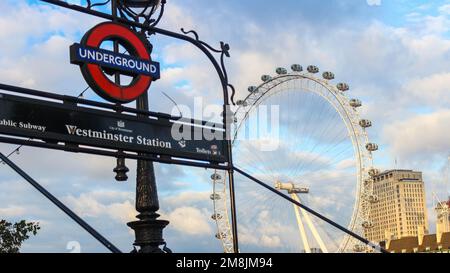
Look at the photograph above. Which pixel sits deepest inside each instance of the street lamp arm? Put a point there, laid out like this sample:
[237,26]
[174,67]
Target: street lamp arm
[90,5]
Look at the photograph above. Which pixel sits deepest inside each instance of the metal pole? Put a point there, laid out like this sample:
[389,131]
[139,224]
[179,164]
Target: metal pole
[121,168]
[227,124]
[115,43]
[60,205]
[233,212]
[148,229]
[318,215]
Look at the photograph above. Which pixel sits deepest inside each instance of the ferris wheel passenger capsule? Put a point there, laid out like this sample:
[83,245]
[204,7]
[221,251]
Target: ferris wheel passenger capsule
[328,75]
[371,147]
[343,87]
[313,69]
[221,235]
[266,78]
[281,71]
[296,68]
[214,196]
[365,123]
[242,103]
[252,89]
[216,176]
[216,216]
[355,103]
[368,181]
[374,172]
[359,248]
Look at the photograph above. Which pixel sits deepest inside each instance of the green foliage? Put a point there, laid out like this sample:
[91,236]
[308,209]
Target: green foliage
[13,235]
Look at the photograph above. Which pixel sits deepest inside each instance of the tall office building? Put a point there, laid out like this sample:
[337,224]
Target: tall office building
[400,210]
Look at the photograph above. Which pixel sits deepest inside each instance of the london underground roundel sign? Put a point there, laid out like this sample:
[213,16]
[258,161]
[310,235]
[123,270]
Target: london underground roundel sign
[96,63]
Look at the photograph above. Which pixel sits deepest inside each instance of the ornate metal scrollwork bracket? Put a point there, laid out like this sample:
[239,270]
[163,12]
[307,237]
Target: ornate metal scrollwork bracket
[224,51]
[91,5]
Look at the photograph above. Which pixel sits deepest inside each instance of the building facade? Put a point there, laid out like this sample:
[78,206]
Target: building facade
[439,242]
[399,207]
[431,243]
[443,217]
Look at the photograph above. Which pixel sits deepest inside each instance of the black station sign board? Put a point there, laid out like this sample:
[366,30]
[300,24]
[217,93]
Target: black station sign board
[71,124]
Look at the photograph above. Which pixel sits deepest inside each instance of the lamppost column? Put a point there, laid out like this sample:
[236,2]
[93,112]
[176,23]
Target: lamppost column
[148,229]
[147,202]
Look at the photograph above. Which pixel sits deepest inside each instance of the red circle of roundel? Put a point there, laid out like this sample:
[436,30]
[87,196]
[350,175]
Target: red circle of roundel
[94,74]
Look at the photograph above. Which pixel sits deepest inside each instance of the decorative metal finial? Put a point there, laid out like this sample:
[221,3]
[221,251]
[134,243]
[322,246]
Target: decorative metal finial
[121,170]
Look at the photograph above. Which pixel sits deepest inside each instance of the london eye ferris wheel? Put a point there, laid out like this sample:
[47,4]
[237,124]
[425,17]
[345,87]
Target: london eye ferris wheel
[320,155]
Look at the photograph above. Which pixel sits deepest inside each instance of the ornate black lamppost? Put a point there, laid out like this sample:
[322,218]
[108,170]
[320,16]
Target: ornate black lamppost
[148,229]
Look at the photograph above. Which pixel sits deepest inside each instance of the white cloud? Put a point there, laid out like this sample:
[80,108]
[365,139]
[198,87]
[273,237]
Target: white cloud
[177,16]
[186,197]
[12,211]
[104,203]
[374,2]
[445,9]
[34,55]
[421,137]
[271,241]
[346,163]
[190,221]
[431,90]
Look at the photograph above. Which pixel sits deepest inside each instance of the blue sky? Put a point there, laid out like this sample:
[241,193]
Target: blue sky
[395,56]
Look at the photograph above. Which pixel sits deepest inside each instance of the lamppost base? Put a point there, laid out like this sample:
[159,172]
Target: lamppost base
[149,235]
